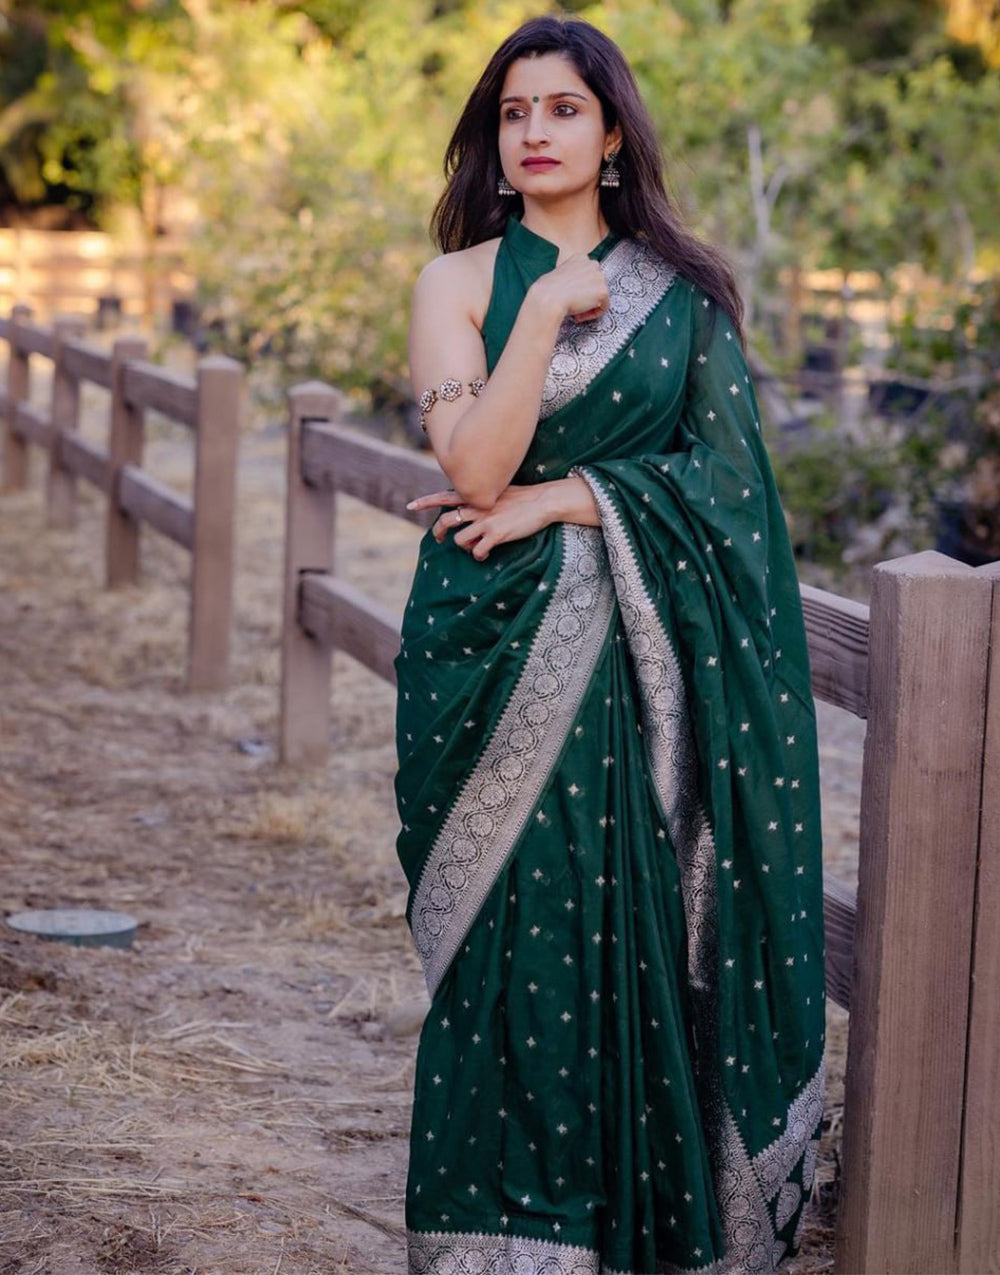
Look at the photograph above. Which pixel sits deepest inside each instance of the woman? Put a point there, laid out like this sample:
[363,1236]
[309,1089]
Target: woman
[608,783]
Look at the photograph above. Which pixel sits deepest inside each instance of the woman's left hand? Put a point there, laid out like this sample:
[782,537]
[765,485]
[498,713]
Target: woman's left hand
[518,513]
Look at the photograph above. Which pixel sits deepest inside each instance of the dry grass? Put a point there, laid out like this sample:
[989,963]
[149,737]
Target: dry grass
[231,1096]
[219,1097]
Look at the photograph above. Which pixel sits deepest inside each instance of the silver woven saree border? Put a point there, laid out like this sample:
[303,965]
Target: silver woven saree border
[776,1161]
[744,1186]
[669,739]
[638,278]
[479,1253]
[474,1253]
[500,793]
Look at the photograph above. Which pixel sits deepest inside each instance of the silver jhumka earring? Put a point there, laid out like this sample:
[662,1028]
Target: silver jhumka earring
[610,175]
[504,187]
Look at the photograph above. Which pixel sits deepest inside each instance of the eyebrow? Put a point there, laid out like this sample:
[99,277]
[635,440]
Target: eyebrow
[548,97]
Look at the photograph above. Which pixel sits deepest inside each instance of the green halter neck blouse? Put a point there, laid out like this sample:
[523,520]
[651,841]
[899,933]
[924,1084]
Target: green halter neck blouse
[522,257]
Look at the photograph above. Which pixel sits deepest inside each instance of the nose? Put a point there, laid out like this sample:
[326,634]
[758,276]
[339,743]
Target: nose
[536,132]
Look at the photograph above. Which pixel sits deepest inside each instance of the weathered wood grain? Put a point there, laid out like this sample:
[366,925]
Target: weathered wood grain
[837,632]
[85,459]
[146,499]
[87,363]
[31,339]
[144,385]
[921,782]
[64,411]
[304,723]
[15,448]
[212,405]
[124,448]
[979,1207]
[337,615]
[378,473]
[839,915]
[32,424]
[220,396]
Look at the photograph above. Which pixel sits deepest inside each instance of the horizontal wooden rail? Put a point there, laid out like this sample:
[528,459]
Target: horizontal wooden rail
[146,499]
[340,616]
[32,424]
[86,363]
[27,339]
[84,458]
[69,271]
[210,405]
[144,385]
[837,632]
[840,912]
[378,473]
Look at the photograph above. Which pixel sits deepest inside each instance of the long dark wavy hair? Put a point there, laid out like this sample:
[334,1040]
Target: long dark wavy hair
[470,210]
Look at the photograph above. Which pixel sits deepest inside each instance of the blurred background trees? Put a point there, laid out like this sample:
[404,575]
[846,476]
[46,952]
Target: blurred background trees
[296,145]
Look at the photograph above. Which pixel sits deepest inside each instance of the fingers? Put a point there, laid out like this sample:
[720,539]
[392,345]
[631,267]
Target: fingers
[434,500]
[475,541]
[478,539]
[594,312]
[471,528]
[450,520]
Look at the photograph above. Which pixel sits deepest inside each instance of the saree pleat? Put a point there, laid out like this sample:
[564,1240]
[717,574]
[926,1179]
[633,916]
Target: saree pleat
[609,805]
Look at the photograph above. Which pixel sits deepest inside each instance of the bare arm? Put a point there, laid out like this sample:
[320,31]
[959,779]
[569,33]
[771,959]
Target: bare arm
[480,442]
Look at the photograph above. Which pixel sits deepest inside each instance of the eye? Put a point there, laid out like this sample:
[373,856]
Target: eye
[513,113]
[564,108]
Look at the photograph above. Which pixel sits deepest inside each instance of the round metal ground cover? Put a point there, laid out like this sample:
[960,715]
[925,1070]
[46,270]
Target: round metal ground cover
[85,927]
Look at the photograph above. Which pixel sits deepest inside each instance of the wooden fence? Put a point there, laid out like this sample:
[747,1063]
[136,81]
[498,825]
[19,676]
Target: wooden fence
[73,271]
[912,955]
[209,404]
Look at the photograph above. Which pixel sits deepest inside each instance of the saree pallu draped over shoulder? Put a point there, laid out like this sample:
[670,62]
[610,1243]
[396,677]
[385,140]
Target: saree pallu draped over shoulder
[609,801]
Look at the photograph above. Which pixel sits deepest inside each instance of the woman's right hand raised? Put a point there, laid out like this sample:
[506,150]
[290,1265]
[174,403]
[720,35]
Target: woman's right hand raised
[576,287]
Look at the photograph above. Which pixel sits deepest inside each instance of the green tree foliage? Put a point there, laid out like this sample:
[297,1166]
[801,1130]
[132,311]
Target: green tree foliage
[91,84]
[884,31]
[309,135]
[743,100]
[311,243]
[919,112]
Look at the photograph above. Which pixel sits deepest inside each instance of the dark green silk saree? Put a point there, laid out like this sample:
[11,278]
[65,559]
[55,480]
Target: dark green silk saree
[610,826]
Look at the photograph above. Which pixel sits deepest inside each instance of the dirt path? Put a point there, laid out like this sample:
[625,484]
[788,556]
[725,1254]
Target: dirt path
[231,1096]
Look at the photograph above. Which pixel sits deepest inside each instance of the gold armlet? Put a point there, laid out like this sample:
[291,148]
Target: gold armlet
[448,391]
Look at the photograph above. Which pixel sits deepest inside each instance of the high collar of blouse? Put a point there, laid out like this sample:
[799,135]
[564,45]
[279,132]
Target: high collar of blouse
[538,253]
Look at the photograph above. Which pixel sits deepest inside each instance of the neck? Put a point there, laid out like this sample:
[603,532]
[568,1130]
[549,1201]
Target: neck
[573,225]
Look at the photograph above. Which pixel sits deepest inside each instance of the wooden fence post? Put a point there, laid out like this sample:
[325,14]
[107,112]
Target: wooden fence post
[124,448]
[309,521]
[15,448]
[979,1206]
[220,394]
[904,1091]
[60,486]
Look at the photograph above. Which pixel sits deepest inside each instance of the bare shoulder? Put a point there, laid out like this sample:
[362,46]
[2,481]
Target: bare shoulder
[461,280]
